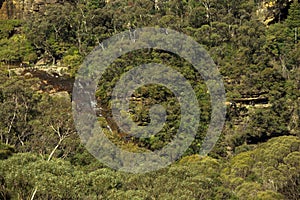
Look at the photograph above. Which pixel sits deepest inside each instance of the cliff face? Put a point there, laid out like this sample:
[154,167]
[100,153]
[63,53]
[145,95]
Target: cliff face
[8,9]
[19,9]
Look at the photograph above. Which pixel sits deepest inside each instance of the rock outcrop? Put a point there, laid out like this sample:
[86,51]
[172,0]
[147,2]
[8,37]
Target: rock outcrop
[20,9]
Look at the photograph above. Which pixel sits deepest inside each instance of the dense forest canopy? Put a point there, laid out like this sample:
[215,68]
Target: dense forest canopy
[254,43]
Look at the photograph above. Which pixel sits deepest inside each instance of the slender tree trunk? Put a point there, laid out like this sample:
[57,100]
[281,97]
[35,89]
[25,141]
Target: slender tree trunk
[79,42]
[8,71]
[207,5]
[283,68]
[33,194]
[53,151]
[22,143]
[61,138]
[53,60]
[296,35]
[156,5]
[13,119]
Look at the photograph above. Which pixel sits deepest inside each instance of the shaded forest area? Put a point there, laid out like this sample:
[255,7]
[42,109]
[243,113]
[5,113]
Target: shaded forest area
[254,43]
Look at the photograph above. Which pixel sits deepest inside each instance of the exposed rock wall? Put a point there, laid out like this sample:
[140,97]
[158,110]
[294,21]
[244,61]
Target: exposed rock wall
[20,9]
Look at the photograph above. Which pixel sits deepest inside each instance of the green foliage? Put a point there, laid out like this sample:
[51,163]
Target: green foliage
[293,20]
[5,151]
[18,109]
[257,174]
[16,49]
[266,169]
[257,154]
[72,60]
[8,27]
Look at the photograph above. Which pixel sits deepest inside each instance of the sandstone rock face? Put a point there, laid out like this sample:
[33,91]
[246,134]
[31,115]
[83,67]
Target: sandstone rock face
[20,9]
